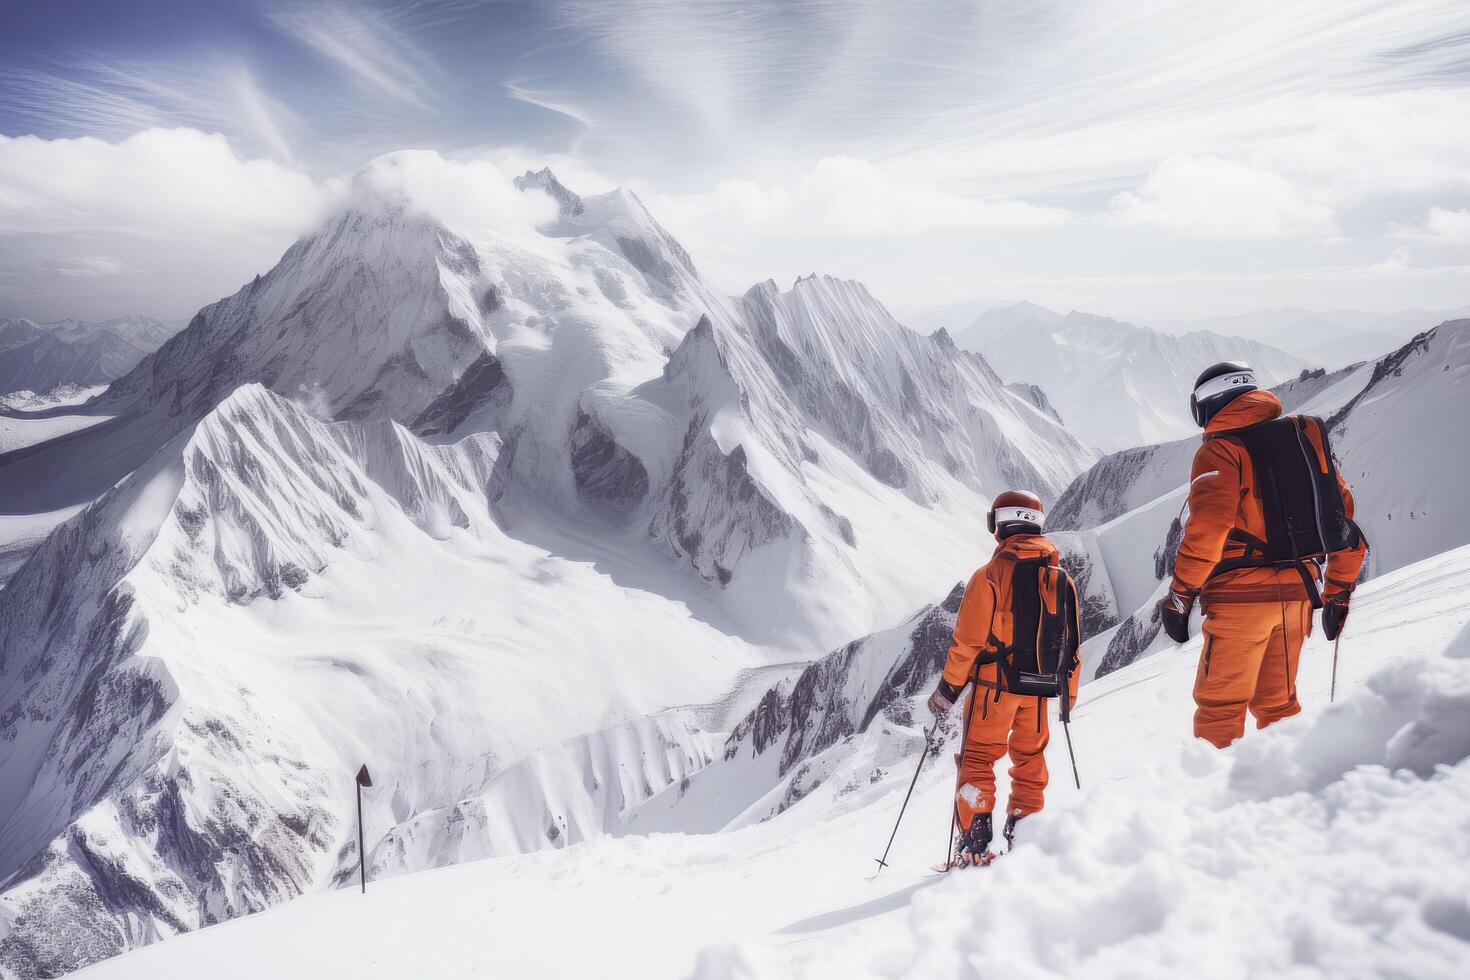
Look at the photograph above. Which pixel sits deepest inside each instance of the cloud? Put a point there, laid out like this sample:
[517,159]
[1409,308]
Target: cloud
[1358,147]
[177,218]
[572,171]
[1398,262]
[156,183]
[1019,98]
[1216,198]
[115,99]
[365,45]
[160,222]
[84,266]
[1383,152]
[466,195]
[1447,225]
[846,197]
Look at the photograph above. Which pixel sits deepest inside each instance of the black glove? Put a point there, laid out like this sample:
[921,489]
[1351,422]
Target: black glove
[1334,614]
[943,698]
[1174,610]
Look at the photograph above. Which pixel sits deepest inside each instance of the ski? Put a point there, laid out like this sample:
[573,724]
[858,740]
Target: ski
[983,861]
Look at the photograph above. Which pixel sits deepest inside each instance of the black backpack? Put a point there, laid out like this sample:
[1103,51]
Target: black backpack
[1306,517]
[1046,632]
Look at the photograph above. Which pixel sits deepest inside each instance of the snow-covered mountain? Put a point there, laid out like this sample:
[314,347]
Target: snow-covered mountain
[1333,339]
[42,356]
[472,507]
[1387,421]
[1115,384]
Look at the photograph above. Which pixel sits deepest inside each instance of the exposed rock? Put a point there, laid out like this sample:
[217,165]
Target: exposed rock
[607,476]
[482,383]
[568,203]
[1035,396]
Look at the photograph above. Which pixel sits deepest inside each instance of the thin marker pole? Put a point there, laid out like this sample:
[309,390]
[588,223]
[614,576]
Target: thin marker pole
[363,779]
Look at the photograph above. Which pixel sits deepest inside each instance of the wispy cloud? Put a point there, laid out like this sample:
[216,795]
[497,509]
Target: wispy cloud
[113,99]
[84,266]
[994,96]
[563,104]
[365,44]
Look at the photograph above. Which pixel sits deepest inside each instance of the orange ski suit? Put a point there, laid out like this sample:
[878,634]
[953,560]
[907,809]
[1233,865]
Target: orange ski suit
[1256,619]
[1008,722]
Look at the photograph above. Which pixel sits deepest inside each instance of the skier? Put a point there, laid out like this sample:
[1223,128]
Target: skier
[1015,643]
[1266,505]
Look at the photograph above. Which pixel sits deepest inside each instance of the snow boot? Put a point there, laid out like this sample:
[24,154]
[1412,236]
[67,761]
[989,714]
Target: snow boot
[975,843]
[1010,828]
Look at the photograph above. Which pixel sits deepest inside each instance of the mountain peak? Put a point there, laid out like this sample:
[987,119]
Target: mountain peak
[1028,308]
[568,202]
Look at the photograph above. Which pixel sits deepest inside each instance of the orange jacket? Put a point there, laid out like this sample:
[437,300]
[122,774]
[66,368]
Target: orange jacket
[985,611]
[1223,496]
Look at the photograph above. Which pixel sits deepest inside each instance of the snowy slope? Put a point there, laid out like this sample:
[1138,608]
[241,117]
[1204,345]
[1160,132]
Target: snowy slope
[195,665]
[43,356]
[1334,844]
[1400,445]
[1117,385]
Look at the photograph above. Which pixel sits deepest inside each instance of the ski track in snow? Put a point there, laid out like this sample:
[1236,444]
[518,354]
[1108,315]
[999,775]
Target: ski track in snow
[1336,843]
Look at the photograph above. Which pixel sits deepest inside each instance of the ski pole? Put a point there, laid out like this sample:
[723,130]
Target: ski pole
[883,861]
[1064,714]
[954,804]
[1335,644]
[1067,731]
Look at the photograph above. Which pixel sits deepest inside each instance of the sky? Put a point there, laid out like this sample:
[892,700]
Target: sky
[1146,159]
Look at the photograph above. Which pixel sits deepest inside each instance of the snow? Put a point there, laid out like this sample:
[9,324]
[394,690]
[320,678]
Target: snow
[21,534]
[26,400]
[17,431]
[1399,447]
[1335,843]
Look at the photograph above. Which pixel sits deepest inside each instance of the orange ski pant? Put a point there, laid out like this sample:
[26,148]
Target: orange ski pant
[1015,725]
[1248,661]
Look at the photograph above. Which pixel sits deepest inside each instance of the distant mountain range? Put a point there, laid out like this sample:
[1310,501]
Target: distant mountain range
[41,356]
[1332,340]
[1114,384]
